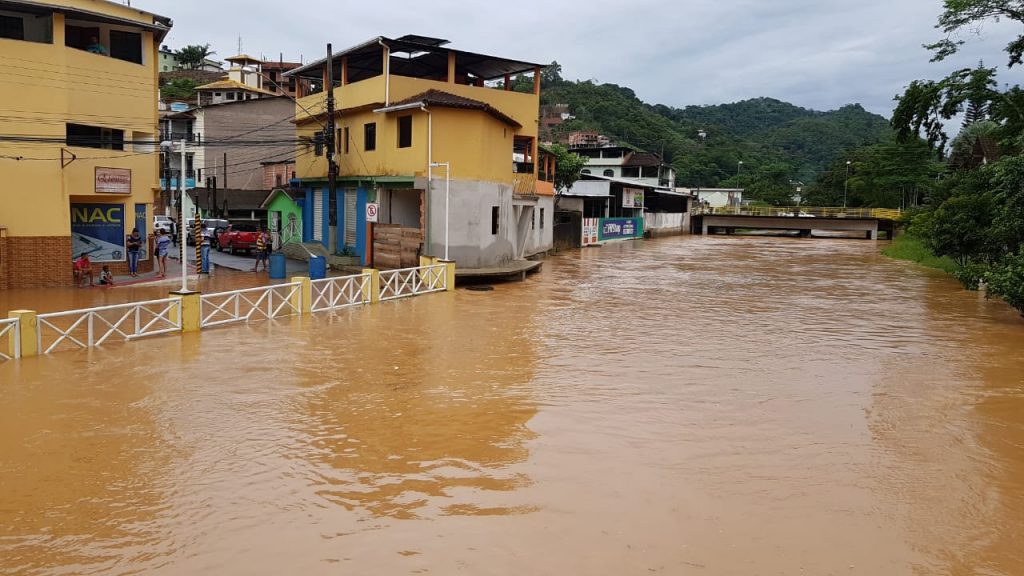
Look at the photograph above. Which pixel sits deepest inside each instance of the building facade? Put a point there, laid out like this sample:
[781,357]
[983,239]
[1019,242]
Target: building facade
[422,133]
[629,163]
[79,157]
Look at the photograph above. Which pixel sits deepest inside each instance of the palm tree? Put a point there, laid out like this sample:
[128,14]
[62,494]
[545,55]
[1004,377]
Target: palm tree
[193,55]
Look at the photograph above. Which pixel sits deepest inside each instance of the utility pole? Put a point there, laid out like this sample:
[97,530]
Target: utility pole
[220,212]
[167,179]
[182,230]
[332,166]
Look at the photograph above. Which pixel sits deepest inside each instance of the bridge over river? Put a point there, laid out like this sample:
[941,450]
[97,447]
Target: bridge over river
[803,219]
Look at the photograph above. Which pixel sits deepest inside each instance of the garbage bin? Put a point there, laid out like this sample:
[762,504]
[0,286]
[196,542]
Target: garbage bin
[317,267]
[277,265]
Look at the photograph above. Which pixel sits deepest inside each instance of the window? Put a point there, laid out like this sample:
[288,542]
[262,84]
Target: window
[126,46]
[370,136]
[339,141]
[541,218]
[278,180]
[494,219]
[405,132]
[80,36]
[12,27]
[346,139]
[231,95]
[94,137]
[631,172]
[584,171]
[318,144]
[533,219]
[217,94]
[609,173]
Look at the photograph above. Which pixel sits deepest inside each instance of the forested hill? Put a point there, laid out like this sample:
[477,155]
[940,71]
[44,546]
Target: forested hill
[761,132]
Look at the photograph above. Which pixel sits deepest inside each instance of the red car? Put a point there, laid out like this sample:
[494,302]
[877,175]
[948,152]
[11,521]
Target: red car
[238,238]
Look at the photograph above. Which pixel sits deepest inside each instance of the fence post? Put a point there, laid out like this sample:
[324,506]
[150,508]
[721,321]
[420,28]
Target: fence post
[303,299]
[28,329]
[374,284]
[191,311]
[449,271]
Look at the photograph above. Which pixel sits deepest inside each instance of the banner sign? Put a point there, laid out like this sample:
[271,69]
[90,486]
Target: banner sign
[140,223]
[632,198]
[113,180]
[590,226]
[621,228]
[98,230]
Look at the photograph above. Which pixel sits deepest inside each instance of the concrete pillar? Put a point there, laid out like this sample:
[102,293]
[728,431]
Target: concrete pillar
[704,229]
[191,310]
[451,68]
[29,336]
[374,284]
[449,274]
[303,299]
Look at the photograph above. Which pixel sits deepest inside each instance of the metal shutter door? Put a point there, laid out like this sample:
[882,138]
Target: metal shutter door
[318,215]
[350,217]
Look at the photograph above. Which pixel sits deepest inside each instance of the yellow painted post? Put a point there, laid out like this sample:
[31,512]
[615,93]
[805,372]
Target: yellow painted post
[29,339]
[374,284]
[191,311]
[303,299]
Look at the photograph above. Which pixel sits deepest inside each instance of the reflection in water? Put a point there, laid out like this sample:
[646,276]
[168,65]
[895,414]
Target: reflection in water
[685,405]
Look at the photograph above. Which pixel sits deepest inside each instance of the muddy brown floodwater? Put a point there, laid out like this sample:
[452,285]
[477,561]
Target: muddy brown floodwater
[720,406]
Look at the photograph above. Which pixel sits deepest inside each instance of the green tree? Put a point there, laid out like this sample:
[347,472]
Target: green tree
[192,56]
[972,14]
[179,89]
[567,167]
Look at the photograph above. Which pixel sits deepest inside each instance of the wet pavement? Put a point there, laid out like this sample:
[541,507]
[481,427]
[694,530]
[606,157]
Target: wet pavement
[689,405]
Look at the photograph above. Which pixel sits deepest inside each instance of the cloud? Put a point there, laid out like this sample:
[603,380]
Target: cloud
[820,54]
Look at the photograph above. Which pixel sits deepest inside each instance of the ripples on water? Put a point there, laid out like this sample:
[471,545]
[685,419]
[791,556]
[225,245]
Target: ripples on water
[686,405]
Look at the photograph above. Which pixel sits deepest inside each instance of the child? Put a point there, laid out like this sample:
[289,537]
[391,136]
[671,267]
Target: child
[106,278]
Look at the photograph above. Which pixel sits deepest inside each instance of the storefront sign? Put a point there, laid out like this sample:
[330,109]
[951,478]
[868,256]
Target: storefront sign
[140,223]
[621,228]
[98,230]
[113,180]
[632,198]
[590,226]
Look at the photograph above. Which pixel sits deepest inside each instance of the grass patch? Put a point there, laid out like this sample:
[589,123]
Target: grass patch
[907,247]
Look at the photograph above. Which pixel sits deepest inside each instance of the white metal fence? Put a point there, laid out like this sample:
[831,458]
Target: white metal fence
[94,326]
[407,282]
[264,303]
[10,339]
[340,292]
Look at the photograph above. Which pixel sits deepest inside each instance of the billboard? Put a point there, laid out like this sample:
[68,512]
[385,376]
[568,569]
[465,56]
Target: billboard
[140,223]
[98,230]
[632,198]
[621,228]
[113,180]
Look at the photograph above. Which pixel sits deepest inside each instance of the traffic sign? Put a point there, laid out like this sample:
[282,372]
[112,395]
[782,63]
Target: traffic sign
[372,209]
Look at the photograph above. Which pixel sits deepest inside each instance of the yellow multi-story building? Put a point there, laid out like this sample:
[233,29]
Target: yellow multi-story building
[402,106]
[79,157]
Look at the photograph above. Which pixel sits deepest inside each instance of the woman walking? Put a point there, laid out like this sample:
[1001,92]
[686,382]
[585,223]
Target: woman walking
[163,244]
[134,248]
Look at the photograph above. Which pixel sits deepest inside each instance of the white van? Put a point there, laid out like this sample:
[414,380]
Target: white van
[163,223]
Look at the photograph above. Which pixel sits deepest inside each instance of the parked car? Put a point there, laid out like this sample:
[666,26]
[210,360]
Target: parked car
[163,223]
[211,228]
[238,238]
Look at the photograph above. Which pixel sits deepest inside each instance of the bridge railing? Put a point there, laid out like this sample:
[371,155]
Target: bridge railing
[94,326]
[340,292]
[803,211]
[264,303]
[10,339]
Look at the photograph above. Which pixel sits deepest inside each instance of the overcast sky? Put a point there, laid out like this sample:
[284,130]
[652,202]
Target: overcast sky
[819,54]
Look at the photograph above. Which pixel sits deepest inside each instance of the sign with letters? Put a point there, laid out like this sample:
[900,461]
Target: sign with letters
[621,228]
[632,198]
[98,230]
[372,209]
[113,180]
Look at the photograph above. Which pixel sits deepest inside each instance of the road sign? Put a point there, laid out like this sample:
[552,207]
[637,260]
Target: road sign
[371,211]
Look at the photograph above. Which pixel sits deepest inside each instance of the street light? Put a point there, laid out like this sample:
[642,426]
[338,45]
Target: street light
[703,136]
[846,183]
[739,167]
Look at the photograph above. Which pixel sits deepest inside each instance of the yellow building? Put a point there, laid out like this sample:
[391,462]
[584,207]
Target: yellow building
[405,104]
[78,132]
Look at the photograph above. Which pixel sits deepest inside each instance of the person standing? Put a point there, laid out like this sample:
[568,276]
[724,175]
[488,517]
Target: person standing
[261,250]
[134,248]
[163,246]
[204,251]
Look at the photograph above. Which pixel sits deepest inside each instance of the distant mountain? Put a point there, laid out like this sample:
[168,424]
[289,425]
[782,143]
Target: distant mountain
[758,132]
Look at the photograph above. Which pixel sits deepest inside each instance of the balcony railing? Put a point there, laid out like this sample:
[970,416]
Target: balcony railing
[522,167]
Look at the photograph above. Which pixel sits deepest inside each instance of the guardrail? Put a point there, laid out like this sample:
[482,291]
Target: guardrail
[803,211]
[10,328]
[343,291]
[94,326]
[406,282]
[29,334]
[266,303]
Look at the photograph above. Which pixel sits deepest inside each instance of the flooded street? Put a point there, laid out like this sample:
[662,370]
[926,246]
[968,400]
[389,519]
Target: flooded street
[687,405]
